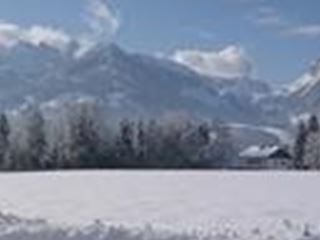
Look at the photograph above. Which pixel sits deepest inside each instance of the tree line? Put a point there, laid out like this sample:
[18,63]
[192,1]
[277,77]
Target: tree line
[77,135]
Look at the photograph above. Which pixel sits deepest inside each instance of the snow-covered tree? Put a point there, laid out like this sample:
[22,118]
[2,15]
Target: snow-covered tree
[74,134]
[125,145]
[85,129]
[4,139]
[58,137]
[153,143]
[311,158]
[141,145]
[195,142]
[27,139]
[313,124]
[36,138]
[300,146]
[221,149]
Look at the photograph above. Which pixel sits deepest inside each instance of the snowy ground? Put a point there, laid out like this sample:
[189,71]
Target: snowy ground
[222,205]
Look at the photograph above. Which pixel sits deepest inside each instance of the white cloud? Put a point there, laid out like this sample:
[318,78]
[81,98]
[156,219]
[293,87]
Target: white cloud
[311,31]
[51,37]
[102,19]
[103,24]
[231,62]
[11,34]
[270,17]
[270,20]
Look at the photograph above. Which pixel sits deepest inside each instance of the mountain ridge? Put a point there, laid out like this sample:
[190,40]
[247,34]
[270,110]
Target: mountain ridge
[129,83]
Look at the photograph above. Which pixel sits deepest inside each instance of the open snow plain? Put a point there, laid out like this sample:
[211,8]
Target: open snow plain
[162,205]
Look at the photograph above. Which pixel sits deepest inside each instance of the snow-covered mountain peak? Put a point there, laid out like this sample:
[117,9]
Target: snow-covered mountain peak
[307,83]
[315,68]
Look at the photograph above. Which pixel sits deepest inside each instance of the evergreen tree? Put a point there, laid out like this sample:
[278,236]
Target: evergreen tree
[313,125]
[300,145]
[194,140]
[222,148]
[84,135]
[154,136]
[141,144]
[125,144]
[4,139]
[311,158]
[204,134]
[36,138]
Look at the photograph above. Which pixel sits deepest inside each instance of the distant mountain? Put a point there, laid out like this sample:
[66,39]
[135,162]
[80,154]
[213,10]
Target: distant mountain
[129,84]
[306,89]
[298,98]
[295,100]
[307,83]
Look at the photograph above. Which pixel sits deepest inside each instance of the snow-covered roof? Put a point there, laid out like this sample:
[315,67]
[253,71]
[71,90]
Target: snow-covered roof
[259,151]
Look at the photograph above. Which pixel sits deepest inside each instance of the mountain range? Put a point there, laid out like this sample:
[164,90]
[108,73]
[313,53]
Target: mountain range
[136,85]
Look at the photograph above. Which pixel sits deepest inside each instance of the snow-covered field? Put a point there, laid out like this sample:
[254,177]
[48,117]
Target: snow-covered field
[123,205]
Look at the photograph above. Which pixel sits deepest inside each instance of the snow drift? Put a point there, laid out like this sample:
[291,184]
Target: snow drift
[15,228]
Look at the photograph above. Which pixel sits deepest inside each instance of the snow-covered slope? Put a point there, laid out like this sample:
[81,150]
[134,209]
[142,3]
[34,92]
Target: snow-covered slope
[123,205]
[296,98]
[307,83]
[305,91]
[249,135]
[129,84]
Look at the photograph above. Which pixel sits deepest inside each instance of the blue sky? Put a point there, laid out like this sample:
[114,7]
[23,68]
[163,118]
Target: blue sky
[281,37]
